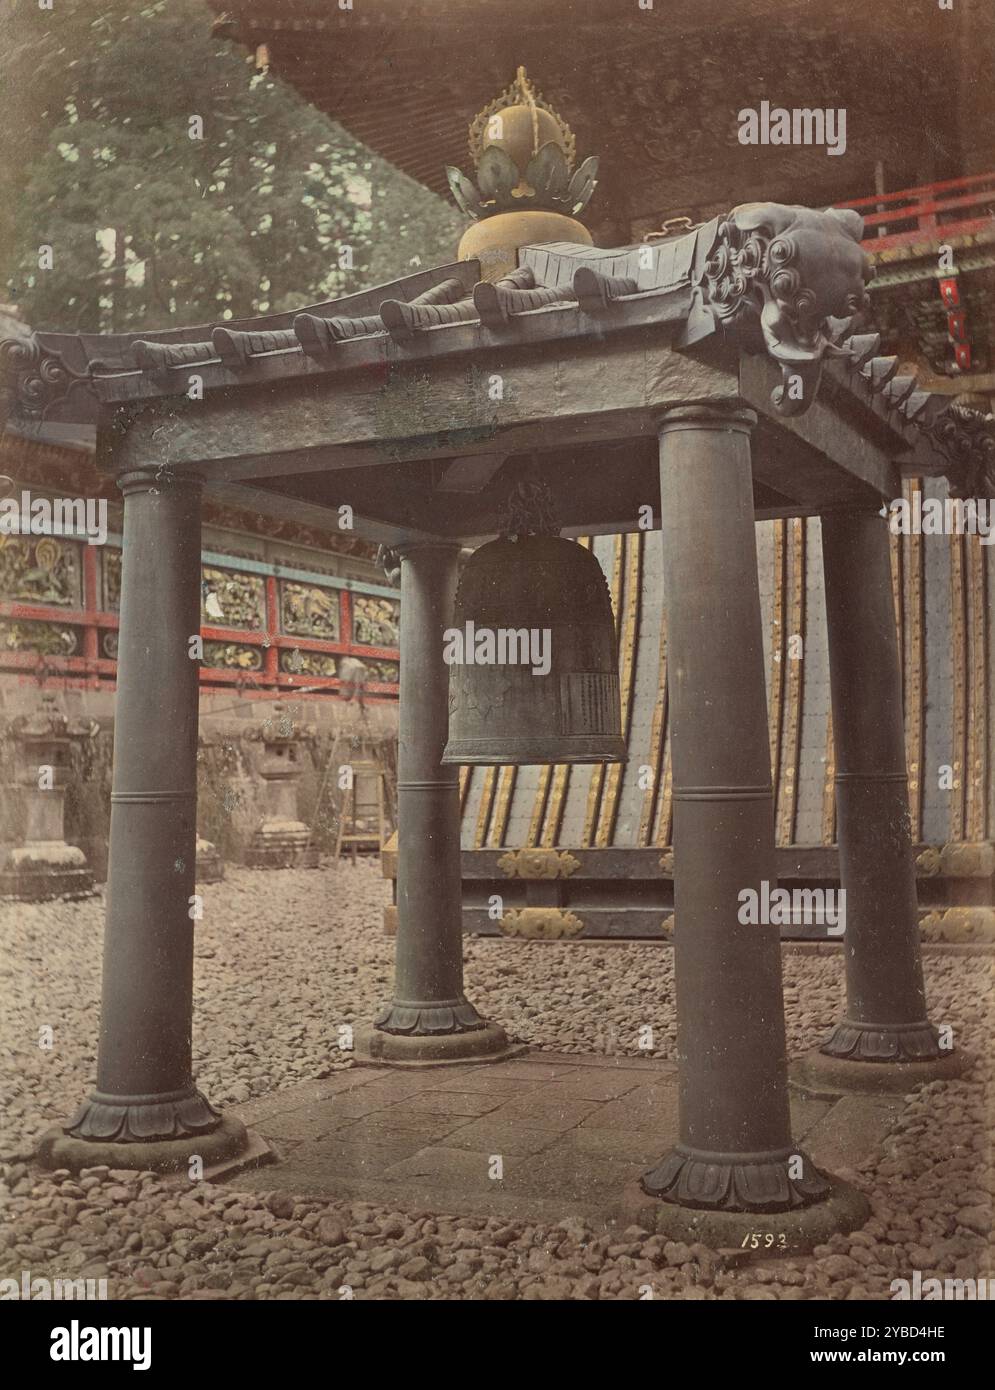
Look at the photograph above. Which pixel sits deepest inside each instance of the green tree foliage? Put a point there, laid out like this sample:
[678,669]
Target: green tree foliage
[152,228]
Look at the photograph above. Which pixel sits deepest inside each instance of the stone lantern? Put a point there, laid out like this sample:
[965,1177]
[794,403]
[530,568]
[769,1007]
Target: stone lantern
[282,841]
[45,866]
[210,865]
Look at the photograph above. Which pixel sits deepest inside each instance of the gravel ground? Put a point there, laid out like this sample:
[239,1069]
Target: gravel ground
[283,959]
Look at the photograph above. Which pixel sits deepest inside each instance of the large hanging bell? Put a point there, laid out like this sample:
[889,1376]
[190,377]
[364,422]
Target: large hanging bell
[532,655]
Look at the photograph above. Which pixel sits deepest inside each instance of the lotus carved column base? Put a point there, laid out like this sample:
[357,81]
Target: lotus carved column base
[160,1133]
[883,1042]
[438,1016]
[882,1057]
[436,1034]
[736,1182]
[742,1201]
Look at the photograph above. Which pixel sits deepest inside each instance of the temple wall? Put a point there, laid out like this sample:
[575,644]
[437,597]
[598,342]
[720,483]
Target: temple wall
[945,597]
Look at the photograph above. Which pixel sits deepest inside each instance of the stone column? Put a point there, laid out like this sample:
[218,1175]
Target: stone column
[886,1021]
[735,1168]
[146,1111]
[430,1018]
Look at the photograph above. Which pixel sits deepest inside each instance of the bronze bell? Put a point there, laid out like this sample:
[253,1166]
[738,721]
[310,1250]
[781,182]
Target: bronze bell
[532,654]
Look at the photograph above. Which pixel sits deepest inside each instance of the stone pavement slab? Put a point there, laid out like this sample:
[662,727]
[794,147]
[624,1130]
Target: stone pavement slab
[293,1097]
[806,1113]
[643,1147]
[455,1102]
[489,1081]
[309,1168]
[546,1110]
[534,1068]
[639,1109]
[309,1122]
[589,1084]
[570,1133]
[859,1122]
[502,1136]
[381,1127]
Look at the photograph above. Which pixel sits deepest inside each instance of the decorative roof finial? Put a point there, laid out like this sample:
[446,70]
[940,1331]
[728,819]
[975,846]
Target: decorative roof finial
[524,154]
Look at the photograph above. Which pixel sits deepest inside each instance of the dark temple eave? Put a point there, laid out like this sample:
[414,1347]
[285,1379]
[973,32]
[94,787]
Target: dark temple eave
[645,90]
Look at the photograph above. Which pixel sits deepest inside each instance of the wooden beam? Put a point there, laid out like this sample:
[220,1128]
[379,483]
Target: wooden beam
[818,457]
[470,474]
[284,507]
[567,392]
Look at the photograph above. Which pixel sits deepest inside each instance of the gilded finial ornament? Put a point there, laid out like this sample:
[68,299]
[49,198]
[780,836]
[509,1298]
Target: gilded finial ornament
[543,122]
[524,155]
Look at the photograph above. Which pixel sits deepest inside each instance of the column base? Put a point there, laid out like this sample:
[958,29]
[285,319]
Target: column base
[420,1018]
[36,873]
[282,845]
[883,1042]
[757,1183]
[798,1232]
[143,1119]
[488,1043]
[57,1149]
[819,1072]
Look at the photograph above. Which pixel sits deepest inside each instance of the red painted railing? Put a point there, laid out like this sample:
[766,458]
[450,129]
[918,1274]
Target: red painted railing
[930,213]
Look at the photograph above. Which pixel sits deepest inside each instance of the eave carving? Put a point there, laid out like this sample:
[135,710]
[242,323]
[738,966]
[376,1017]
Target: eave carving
[966,439]
[788,281]
[33,377]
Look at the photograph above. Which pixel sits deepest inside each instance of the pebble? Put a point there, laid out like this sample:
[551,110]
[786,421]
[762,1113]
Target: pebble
[977,1219]
[280,1204]
[330,1230]
[269,978]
